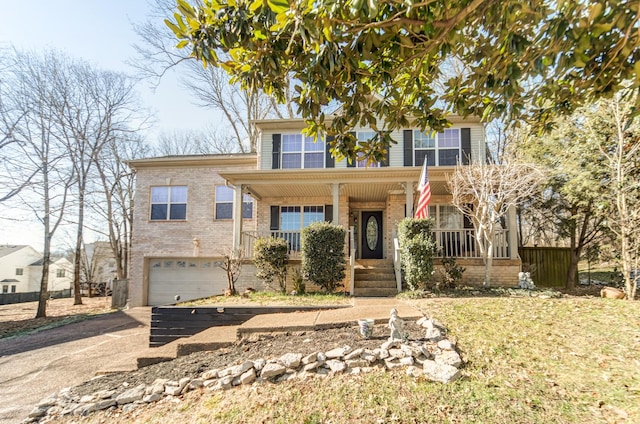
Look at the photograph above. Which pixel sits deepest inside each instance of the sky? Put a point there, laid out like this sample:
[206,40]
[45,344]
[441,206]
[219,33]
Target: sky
[100,32]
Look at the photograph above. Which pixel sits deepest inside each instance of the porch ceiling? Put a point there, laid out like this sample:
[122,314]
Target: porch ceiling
[359,184]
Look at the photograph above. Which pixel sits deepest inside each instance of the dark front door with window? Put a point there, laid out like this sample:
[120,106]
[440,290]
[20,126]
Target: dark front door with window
[371,235]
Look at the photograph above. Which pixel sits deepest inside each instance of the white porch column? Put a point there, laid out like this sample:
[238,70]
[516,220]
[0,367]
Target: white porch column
[237,216]
[408,192]
[335,190]
[513,232]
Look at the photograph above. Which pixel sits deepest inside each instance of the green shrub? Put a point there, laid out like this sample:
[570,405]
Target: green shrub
[417,250]
[323,261]
[451,273]
[271,256]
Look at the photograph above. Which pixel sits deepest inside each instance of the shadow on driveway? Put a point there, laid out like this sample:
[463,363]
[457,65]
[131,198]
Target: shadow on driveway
[101,324]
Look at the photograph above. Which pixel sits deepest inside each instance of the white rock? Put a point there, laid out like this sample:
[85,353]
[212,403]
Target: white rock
[440,372]
[107,403]
[354,371]
[354,354]
[153,397]
[87,399]
[131,395]
[248,377]
[210,374]
[130,407]
[392,363]
[312,366]
[396,353]
[335,365]
[445,344]
[38,411]
[369,357]
[321,357]
[272,370]
[104,394]
[449,357]
[407,360]
[309,359]
[338,352]
[390,344]
[290,360]
[258,364]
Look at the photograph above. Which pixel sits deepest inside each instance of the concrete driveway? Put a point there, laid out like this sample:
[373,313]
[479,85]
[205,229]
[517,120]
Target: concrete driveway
[37,365]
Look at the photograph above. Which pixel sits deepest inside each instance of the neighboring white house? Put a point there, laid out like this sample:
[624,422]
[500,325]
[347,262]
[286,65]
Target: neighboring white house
[21,270]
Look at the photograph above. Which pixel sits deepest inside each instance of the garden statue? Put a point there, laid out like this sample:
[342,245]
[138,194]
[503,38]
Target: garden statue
[525,281]
[396,325]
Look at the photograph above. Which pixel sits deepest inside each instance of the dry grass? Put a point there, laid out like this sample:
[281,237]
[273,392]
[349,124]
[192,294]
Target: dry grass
[273,299]
[20,318]
[528,360]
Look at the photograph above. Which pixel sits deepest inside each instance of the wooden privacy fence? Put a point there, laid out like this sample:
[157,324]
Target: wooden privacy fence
[10,298]
[548,265]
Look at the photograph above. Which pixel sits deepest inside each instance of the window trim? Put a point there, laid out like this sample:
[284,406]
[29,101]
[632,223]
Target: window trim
[303,139]
[246,200]
[362,163]
[437,148]
[168,203]
[60,273]
[319,209]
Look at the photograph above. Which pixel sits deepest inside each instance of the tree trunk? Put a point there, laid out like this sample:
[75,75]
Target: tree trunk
[44,280]
[77,300]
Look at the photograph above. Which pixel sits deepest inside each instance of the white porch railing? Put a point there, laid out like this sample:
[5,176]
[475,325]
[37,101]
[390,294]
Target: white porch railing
[292,237]
[463,244]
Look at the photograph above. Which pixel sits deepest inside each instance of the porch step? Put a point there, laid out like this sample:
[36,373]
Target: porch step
[374,278]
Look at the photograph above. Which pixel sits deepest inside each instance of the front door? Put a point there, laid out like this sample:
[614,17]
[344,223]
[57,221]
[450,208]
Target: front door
[371,235]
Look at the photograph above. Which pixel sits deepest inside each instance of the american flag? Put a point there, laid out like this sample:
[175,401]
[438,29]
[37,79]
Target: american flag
[422,211]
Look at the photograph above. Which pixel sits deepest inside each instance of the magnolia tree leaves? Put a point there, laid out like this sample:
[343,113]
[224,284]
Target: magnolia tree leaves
[386,63]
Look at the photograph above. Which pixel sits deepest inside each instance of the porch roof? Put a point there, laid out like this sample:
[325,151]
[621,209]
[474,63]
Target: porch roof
[360,184]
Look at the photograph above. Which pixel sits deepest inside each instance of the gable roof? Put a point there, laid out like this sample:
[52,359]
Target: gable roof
[7,249]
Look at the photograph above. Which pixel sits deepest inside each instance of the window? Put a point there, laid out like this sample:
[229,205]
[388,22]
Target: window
[294,218]
[366,136]
[440,149]
[299,151]
[13,288]
[19,271]
[168,203]
[224,204]
[5,289]
[60,273]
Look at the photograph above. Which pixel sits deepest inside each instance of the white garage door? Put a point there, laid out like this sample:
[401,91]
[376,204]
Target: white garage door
[189,278]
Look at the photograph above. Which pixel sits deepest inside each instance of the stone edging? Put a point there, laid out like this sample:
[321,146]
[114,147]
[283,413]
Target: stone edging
[434,358]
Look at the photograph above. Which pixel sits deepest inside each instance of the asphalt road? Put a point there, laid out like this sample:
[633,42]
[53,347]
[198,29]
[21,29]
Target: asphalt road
[37,365]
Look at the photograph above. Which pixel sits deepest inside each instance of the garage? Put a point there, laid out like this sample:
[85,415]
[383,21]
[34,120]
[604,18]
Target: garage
[189,278]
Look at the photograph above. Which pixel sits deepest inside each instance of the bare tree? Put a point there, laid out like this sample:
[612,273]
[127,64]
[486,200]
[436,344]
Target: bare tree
[195,143]
[156,55]
[617,132]
[37,155]
[231,263]
[91,106]
[112,202]
[486,193]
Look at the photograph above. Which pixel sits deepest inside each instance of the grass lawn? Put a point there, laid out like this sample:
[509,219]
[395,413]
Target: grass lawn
[527,360]
[272,299]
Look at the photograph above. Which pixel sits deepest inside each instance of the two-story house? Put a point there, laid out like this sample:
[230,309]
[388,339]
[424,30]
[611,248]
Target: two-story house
[190,208]
[21,270]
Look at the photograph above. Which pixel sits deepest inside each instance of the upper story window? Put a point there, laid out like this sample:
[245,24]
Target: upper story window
[224,204]
[440,149]
[299,151]
[19,271]
[168,203]
[60,273]
[366,136]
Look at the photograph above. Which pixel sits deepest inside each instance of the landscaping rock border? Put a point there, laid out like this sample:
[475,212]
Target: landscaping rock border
[434,358]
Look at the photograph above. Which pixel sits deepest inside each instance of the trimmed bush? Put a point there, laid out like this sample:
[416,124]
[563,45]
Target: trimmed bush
[451,273]
[271,256]
[417,250]
[323,261]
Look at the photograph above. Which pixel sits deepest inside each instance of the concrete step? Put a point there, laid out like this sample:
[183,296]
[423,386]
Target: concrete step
[375,284]
[377,275]
[373,263]
[375,292]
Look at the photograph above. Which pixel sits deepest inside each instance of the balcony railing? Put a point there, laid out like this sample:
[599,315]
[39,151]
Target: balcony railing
[451,243]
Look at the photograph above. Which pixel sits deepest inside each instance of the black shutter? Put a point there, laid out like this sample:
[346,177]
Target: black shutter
[465,135]
[385,162]
[275,162]
[275,218]
[408,147]
[351,162]
[328,213]
[329,160]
